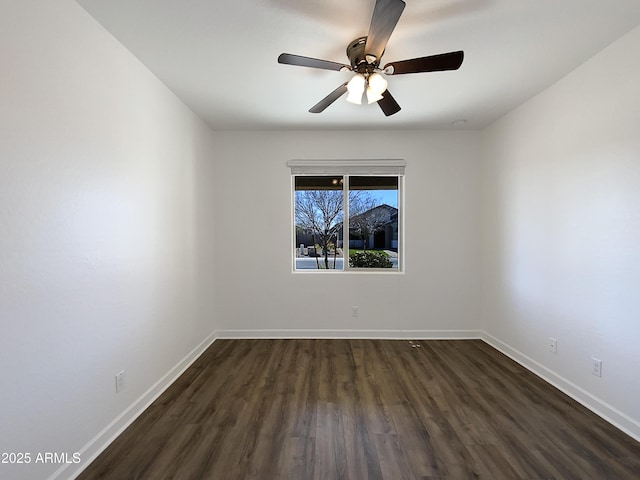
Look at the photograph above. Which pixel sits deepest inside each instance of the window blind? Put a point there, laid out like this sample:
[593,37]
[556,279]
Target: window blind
[347,167]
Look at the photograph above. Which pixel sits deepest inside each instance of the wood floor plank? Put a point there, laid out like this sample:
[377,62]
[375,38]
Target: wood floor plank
[364,409]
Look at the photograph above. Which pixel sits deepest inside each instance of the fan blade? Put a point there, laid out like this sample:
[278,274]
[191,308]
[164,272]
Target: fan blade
[434,63]
[329,99]
[388,104]
[386,14]
[300,61]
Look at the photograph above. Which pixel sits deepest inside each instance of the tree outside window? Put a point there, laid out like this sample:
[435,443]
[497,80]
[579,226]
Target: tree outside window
[320,230]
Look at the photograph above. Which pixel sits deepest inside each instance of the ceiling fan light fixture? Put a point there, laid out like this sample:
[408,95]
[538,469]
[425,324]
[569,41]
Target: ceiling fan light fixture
[356,87]
[364,54]
[355,98]
[373,96]
[377,83]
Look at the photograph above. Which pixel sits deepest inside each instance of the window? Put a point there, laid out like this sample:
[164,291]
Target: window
[368,195]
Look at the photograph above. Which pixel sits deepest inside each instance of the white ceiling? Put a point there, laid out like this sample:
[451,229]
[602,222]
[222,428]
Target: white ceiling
[220,57]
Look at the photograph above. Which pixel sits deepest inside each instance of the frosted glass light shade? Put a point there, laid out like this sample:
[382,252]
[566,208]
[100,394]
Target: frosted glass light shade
[377,83]
[356,87]
[373,96]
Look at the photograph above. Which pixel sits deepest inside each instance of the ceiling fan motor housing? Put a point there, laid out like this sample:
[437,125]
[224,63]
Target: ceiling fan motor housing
[358,58]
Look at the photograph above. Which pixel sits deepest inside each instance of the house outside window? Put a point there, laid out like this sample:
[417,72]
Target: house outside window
[368,194]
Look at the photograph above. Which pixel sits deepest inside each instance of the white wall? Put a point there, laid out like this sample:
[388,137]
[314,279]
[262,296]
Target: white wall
[561,230]
[100,245]
[255,288]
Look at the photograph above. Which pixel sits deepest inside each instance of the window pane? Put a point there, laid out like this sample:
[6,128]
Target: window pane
[373,222]
[318,214]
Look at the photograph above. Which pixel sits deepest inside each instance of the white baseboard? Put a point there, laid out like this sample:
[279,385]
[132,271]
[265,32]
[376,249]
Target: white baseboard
[103,439]
[346,334]
[612,415]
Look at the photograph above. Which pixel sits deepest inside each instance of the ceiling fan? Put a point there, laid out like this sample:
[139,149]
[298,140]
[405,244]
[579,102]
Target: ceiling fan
[364,55]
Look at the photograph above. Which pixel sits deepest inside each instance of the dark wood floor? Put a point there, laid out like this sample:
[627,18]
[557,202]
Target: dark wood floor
[364,409]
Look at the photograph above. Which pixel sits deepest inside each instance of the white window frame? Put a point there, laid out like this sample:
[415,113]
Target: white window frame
[347,168]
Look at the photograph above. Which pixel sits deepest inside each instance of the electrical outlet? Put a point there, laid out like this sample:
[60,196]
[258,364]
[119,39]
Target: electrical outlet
[553,345]
[355,311]
[121,381]
[596,366]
